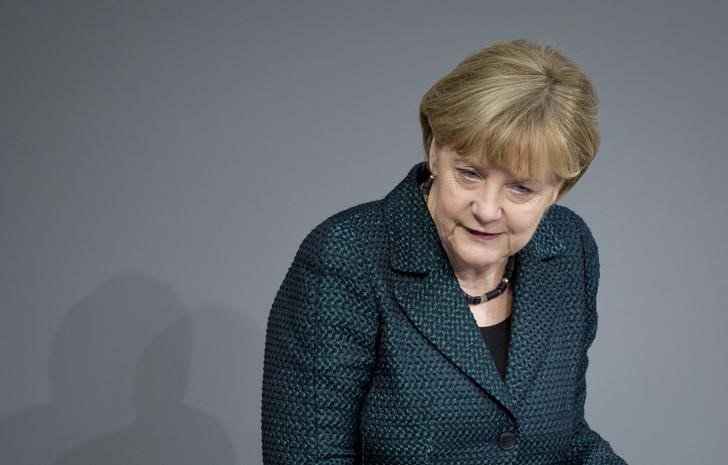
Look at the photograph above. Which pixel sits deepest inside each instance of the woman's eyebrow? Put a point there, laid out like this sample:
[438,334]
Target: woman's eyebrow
[460,164]
[521,179]
[532,182]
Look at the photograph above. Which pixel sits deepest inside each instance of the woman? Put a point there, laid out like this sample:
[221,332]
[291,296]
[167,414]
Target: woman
[448,323]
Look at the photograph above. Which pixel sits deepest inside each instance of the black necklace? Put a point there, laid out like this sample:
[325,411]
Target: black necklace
[499,289]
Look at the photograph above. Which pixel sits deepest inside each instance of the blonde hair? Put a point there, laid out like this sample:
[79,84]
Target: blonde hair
[521,105]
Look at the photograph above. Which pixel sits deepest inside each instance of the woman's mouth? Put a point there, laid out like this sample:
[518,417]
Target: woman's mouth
[481,235]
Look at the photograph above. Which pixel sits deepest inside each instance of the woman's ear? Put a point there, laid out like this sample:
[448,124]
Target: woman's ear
[557,193]
[433,156]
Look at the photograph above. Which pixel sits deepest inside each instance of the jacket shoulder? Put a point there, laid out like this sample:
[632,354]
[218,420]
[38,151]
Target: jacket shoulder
[347,241]
[570,227]
[573,230]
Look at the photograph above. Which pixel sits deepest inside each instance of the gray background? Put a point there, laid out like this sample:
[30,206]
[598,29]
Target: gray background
[161,162]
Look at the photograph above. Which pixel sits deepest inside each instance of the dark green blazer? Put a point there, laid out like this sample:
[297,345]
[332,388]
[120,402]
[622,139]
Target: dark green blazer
[373,357]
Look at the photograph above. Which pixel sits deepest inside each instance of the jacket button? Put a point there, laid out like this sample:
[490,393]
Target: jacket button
[507,440]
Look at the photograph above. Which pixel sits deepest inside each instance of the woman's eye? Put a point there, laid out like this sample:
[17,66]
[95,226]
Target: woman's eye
[469,174]
[522,190]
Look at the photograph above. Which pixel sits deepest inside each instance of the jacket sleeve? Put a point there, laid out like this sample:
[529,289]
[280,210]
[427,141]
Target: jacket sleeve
[589,448]
[319,352]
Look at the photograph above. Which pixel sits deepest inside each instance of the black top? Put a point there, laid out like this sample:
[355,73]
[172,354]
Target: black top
[498,337]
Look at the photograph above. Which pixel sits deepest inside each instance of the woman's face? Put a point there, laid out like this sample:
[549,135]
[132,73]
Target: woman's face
[484,213]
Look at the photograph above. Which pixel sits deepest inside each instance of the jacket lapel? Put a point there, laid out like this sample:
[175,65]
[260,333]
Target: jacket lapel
[428,292]
[435,306]
[535,304]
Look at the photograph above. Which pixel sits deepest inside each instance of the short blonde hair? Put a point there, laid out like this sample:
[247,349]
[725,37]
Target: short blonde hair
[519,104]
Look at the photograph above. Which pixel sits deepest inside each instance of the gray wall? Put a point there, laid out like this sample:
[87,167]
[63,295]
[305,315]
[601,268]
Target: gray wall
[161,162]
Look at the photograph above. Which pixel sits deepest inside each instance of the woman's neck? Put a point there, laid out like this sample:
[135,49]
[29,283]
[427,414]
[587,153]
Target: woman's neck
[479,281]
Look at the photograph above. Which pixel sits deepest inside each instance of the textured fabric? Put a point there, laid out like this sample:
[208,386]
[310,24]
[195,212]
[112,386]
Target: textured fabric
[372,356]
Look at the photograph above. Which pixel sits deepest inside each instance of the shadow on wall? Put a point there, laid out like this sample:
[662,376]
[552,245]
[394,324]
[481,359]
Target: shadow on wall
[228,365]
[120,357]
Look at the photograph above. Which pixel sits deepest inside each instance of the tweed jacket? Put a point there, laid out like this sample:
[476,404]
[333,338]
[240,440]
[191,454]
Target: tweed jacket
[372,355]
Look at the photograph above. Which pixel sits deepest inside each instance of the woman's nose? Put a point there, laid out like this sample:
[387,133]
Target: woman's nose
[487,207]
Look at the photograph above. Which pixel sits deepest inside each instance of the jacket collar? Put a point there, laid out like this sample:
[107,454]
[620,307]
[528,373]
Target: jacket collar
[429,294]
[415,246]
